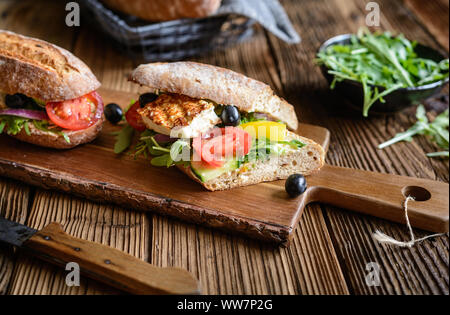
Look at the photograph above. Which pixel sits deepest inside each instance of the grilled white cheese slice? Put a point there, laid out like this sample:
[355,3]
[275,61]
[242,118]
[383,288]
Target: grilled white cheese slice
[179,116]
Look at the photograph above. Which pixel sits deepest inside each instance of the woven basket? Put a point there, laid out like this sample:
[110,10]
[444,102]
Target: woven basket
[173,40]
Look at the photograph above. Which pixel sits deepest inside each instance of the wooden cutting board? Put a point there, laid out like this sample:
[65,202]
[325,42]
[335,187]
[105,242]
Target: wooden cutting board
[261,211]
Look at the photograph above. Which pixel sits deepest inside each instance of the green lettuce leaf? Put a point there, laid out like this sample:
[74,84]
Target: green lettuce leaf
[123,139]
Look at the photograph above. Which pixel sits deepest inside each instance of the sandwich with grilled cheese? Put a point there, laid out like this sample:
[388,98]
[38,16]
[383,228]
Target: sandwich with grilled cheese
[222,129]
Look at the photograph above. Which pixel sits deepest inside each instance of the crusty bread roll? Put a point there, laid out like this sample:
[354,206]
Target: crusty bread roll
[42,70]
[165,10]
[304,161]
[49,73]
[219,85]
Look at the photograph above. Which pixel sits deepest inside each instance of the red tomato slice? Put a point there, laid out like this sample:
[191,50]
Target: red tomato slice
[134,119]
[201,154]
[197,145]
[215,150]
[76,114]
[219,146]
[242,141]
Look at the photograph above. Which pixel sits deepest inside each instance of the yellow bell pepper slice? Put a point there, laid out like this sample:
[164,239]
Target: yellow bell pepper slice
[266,129]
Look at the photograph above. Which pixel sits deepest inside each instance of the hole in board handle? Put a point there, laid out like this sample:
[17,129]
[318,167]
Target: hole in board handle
[418,193]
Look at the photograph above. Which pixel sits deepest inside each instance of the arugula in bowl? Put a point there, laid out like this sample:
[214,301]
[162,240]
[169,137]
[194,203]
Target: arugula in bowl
[382,64]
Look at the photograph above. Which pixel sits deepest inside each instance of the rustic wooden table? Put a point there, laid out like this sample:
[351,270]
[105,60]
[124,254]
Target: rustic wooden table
[331,247]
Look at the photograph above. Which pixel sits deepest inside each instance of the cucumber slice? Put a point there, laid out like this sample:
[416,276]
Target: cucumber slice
[39,102]
[207,174]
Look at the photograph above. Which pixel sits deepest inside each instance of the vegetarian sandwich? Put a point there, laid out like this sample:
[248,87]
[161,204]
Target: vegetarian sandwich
[47,95]
[222,129]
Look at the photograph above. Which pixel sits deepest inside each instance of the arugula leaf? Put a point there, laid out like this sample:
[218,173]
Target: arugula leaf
[389,52]
[380,60]
[249,117]
[13,124]
[177,149]
[171,155]
[262,149]
[437,131]
[160,161]
[296,144]
[2,126]
[123,139]
[438,154]
[145,145]
[65,136]
[43,125]
[27,129]
[128,108]
[167,155]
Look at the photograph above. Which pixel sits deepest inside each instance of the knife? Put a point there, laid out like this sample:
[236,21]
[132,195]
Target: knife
[97,261]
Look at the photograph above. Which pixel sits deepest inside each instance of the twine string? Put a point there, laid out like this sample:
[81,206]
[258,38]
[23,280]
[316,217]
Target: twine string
[386,239]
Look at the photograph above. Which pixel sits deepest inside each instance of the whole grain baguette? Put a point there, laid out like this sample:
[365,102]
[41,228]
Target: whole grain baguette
[217,84]
[303,161]
[56,141]
[41,70]
[165,10]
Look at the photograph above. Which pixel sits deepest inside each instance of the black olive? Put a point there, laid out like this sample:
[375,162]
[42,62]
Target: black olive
[16,100]
[230,116]
[113,113]
[146,98]
[295,185]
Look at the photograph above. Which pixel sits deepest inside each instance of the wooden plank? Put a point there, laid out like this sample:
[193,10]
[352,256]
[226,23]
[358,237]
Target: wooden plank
[353,144]
[107,63]
[427,13]
[125,230]
[227,264]
[22,17]
[382,196]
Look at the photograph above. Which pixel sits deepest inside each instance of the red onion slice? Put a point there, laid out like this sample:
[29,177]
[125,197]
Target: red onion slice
[164,138]
[25,113]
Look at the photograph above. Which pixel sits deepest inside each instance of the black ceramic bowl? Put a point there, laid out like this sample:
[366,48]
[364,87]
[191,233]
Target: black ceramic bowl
[397,100]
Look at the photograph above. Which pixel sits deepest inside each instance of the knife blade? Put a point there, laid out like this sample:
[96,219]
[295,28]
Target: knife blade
[14,233]
[97,261]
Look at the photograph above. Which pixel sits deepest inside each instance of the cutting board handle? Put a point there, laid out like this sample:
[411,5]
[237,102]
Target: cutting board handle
[383,196]
[109,265]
